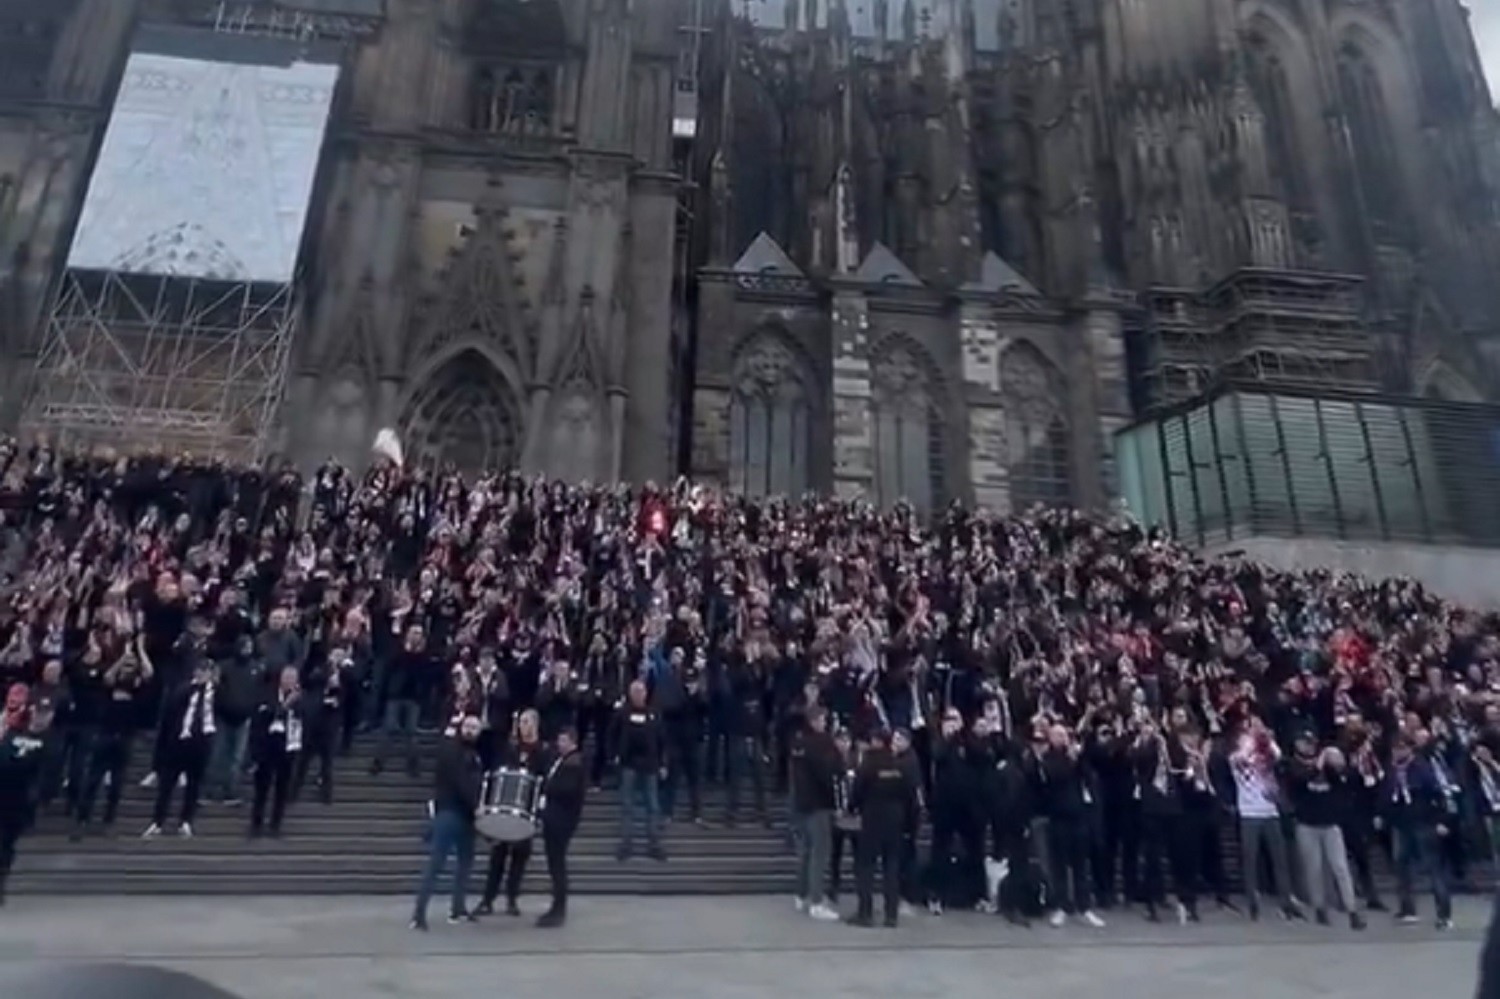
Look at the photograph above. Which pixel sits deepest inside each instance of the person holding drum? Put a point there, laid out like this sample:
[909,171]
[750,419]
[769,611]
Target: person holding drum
[525,752]
[455,798]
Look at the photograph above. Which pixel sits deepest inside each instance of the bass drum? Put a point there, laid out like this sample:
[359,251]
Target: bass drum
[508,805]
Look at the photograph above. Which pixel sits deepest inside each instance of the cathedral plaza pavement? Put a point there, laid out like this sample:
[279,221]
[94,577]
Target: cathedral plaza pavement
[724,948]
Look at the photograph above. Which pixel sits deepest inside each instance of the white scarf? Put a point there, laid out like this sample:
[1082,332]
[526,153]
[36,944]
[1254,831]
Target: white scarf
[201,701]
[288,722]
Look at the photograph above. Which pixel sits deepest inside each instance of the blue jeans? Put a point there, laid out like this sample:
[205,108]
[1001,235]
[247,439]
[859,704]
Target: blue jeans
[638,787]
[227,765]
[451,833]
[400,719]
[1417,850]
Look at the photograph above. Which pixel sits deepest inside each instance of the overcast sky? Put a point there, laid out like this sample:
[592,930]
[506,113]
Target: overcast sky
[1486,17]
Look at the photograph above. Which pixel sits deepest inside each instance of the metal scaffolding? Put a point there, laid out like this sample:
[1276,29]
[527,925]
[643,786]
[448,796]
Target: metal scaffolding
[179,363]
[1290,328]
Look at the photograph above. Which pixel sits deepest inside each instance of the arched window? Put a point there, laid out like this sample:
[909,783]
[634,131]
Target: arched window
[1272,87]
[1036,429]
[769,425]
[1369,124]
[907,429]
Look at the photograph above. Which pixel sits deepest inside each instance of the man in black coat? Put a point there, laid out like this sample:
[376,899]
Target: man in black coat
[561,810]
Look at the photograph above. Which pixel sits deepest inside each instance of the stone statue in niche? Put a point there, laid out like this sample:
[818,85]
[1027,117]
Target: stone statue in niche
[576,434]
[342,420]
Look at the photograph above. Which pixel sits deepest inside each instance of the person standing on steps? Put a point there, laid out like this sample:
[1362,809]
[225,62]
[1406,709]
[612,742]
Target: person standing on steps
[508,860]
[455,798]
[562,808]
[885,797]
[276,738]
[21,731]
[190,726]
[638,752]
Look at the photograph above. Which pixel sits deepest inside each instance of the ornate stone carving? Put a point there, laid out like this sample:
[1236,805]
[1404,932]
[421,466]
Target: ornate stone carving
[901,381]
[1030,386]
[466,413]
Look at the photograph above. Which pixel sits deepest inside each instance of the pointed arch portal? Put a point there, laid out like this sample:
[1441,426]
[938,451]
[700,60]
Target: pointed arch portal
[464,412]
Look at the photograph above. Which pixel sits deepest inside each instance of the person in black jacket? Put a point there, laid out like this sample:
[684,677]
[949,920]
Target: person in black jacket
[638,745]
[885,797]
[1066,794]
[1318,783]
[276,741]
[455,797]
[188,725]
[562,809]
[815,763]
[21,732]
[508,860]
[957,818]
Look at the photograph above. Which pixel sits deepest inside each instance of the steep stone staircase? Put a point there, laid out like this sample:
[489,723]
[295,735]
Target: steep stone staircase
[369,842]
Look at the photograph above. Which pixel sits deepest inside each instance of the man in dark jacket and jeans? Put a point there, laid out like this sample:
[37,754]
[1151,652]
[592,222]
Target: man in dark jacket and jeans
[455,797]
[242,686]
[815,764]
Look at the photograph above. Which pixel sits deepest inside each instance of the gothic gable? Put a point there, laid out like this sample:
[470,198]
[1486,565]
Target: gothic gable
[996,276]
[765,256]
[881,266]
[482,295]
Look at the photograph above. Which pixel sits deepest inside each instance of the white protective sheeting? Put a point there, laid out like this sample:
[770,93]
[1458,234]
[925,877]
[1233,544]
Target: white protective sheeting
[206,169]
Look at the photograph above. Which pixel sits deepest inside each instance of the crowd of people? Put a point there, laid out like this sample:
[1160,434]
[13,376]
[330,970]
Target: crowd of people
[1079,710]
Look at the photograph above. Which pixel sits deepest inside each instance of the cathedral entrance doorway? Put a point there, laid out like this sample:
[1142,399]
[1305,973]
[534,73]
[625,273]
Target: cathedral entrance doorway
[465,414]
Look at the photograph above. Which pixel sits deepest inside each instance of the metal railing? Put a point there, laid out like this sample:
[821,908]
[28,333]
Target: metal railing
[1245,461]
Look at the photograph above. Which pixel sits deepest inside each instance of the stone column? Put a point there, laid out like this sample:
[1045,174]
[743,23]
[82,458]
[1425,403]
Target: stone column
[853,430]
[1100,331]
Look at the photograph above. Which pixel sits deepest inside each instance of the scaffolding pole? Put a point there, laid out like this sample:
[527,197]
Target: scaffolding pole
[160,361]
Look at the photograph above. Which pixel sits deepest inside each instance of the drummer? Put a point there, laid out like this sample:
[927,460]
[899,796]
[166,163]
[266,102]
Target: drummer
[525,751]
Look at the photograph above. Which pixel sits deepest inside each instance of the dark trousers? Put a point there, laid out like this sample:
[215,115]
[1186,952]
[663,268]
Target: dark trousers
[273,784]
[1417,850]
[682,767]
[1157,849]
[593,723]
[955,828]
[507,864]
[110,758]
[1068,854]
[1115,861]
[743,758]
[1186,851]
[1010,845]
[186,759]
[1360,841]
[321,739]
[841,840]
[13,818]
[879,844]
[555,849]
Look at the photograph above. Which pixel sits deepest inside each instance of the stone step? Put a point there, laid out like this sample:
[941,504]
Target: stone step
[324,842]
[617,880]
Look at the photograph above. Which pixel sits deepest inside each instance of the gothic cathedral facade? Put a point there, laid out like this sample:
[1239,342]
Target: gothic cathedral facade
[883,248]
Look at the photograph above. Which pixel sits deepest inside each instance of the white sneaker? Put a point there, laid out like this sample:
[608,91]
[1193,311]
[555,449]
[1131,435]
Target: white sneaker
[934,907]
[149,780]
[185,830]
[1057,918]
[1092,918]
[800,903]
[152,831]
[823,913]
[984,907]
